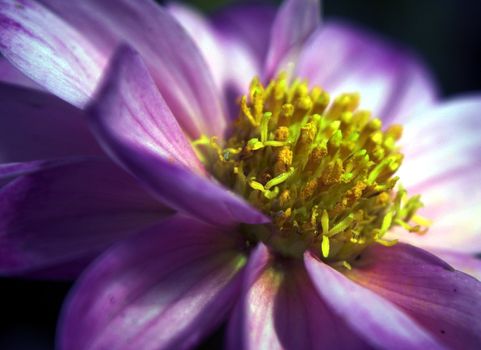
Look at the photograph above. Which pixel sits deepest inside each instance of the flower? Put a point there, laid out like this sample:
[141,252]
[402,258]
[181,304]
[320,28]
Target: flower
[317,276]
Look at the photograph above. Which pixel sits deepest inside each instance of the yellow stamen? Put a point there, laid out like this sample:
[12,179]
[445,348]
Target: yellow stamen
[324,171]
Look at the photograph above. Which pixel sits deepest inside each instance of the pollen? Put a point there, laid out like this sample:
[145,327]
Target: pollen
[321,168]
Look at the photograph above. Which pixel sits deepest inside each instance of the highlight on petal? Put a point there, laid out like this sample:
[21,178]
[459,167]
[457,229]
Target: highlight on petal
[444,301]
[280,309]
[443,163]
[392,82]
[377,320]
[49,51]
[164,289]
[295,21]
[134,124]
[177,66]
[57,213]
[37,125]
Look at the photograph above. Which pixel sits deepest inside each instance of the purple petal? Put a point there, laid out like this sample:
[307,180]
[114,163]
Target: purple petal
[163,289]
[461,261]
[10,74]
[247,24]
[135,125]
[176,64]
[444,301]
[443,163]
[36,125]
[10,171]
[129,106]
[48,50]
[221,52]
[296,20]
[244,32]
[342,58]
[61,214]
[280,309]
[377,320]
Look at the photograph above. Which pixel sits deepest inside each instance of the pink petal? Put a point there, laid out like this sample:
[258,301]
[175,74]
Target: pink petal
[392,82]
[55,214]
[444,301]
[175,62]
[163,289]
[49,50]
[443,164]
[374,318]
[296,20]
[36,125]
[136,127]
[280,309]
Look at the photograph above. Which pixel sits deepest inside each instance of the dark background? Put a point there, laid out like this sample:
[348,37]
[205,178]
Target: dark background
[445,33]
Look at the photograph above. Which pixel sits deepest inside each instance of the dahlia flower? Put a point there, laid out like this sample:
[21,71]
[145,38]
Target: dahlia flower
[234,187]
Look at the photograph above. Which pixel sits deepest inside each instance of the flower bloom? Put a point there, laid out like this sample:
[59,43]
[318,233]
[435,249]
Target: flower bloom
[284,222]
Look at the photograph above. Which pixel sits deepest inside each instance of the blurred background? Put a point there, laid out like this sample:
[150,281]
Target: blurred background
[445,33]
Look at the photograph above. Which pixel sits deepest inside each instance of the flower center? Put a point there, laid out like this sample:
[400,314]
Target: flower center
[323,171]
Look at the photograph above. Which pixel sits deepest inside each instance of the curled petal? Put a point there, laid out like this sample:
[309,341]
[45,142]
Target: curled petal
[58,215]
[444,301]
[163,289]
[393,84]
[133,123]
